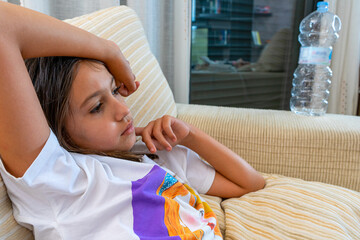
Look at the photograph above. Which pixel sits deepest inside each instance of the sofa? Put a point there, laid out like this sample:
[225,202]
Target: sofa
[311,164]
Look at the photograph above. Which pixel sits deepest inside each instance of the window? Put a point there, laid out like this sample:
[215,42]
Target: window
[244,52]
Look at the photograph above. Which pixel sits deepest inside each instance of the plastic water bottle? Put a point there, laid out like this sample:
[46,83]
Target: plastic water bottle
[312,77]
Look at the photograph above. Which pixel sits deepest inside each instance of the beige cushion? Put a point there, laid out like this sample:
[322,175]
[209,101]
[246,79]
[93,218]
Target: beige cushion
[121,25]
[289,208]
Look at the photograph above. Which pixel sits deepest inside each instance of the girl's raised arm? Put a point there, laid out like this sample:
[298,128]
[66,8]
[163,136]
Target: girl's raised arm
[25,34]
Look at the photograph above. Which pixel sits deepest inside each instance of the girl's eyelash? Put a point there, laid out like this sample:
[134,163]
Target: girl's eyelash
[116,90]
[96,109]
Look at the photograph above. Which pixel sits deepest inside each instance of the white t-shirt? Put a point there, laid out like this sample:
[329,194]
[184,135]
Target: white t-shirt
[66,195]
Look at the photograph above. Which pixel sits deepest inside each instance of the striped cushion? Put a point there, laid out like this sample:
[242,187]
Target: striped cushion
[289,208]
[121,25]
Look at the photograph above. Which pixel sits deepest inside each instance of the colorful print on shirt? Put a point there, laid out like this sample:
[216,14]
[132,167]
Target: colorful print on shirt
[165,209]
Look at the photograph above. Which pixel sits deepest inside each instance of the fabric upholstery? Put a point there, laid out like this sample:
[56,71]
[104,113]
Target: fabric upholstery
[121,25]
[289,208]
[324,149]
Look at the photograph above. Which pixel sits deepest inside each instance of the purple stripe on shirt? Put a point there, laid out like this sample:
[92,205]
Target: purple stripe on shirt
[148,207]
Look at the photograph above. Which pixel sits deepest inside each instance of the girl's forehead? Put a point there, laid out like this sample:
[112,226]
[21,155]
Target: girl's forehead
[91,73]
[88,81]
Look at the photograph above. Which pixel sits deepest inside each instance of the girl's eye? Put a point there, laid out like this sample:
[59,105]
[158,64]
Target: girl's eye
[96,109]
[116,91]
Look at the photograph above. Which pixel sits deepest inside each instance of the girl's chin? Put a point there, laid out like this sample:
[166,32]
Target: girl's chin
[129,143]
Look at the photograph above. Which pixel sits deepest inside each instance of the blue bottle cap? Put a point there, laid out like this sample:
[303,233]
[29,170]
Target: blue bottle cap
[322,6]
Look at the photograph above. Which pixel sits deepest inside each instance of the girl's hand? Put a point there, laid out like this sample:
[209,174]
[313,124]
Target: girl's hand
[163,133]
[119,67]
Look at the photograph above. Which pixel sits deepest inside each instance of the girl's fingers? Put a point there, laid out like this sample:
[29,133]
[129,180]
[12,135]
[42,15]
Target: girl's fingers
[138,131]
[149,143]
[158,146]
[120,68]
[124,91]
[166,125]
[159,136]
[137,84]
[146,133]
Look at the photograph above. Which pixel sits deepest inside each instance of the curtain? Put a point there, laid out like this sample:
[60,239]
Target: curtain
[345,62]
[64,9]
[167,24]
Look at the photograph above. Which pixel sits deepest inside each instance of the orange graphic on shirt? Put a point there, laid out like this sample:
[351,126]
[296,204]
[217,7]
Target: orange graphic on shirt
[188,221]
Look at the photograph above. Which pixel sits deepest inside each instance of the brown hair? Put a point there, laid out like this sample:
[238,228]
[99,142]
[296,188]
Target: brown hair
[52,78]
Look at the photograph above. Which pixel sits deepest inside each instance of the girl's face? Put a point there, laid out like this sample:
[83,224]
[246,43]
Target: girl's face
[98,118]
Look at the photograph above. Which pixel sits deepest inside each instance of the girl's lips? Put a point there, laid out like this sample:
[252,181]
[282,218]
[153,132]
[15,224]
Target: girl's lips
[129,129]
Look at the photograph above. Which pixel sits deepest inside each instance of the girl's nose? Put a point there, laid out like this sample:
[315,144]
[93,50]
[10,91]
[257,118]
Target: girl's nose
[120,110]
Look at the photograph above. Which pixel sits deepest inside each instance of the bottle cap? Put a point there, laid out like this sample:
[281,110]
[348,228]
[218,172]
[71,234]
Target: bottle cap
[322,6]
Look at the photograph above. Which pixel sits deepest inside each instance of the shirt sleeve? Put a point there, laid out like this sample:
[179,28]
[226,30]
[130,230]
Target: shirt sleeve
[54,171]
[199,173]
[189,167]
[39,193]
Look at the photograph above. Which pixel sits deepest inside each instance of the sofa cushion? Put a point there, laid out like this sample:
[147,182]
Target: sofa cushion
[289,208]
[121,25]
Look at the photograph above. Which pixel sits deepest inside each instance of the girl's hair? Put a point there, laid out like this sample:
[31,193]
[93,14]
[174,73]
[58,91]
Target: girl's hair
[52,78]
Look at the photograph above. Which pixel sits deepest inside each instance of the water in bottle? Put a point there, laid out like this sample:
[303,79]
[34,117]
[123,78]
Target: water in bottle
[312,77]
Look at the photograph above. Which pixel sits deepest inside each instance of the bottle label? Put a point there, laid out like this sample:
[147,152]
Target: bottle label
[315,55]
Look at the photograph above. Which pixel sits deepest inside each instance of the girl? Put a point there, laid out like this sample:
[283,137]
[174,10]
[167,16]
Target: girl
[70,162]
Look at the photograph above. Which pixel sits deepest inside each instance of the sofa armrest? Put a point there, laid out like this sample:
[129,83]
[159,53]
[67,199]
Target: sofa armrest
[325,149]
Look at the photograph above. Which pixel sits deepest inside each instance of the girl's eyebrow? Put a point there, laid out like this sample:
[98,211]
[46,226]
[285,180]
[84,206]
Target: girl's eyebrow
[95,94]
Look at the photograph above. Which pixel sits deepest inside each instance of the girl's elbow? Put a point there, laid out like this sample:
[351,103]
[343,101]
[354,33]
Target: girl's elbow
[256,185]
[259,183]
